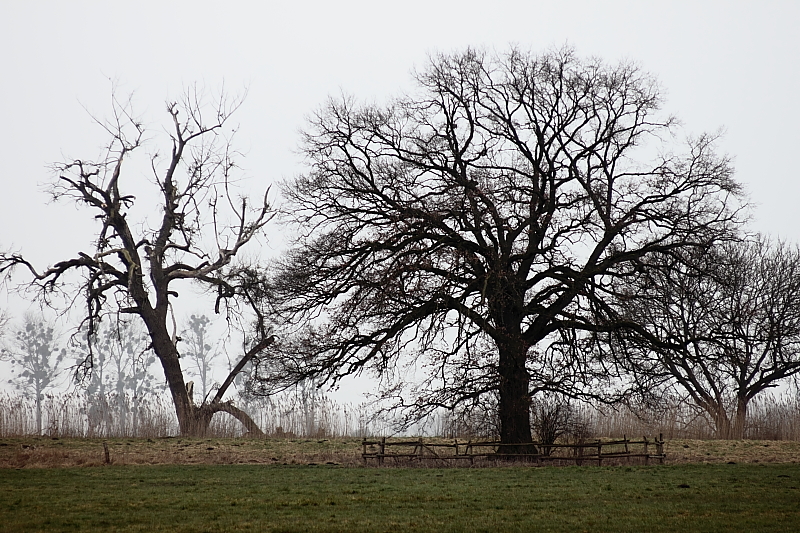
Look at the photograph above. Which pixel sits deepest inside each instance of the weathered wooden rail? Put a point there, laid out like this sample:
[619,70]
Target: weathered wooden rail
[588,452]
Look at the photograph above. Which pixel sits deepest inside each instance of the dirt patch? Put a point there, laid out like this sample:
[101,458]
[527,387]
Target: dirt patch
[44,452]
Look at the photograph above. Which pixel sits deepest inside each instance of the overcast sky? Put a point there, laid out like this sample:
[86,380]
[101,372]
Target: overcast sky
[724,64]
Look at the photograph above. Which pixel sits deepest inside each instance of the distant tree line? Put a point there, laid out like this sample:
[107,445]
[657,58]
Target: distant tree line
[43,360]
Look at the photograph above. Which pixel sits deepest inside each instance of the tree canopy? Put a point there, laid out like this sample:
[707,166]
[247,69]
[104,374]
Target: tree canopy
[470,227]
[720,326]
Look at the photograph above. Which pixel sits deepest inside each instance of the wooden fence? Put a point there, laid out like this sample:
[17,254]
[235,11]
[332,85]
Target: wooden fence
[588,452]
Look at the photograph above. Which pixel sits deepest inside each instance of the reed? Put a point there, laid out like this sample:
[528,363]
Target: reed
[297,414]
[116,415]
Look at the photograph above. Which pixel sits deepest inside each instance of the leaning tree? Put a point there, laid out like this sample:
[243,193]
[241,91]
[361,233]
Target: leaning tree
[475,224]
[193,231]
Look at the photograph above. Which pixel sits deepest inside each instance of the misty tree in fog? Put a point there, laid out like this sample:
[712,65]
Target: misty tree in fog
[121,377]
[35,359]
[198,353]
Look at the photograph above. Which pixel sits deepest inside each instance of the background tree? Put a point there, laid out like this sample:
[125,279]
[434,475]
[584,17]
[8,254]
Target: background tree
[721,325]
[470,223]
[194,232]
[36,360]
[198,352]
[4,320]
[121,363]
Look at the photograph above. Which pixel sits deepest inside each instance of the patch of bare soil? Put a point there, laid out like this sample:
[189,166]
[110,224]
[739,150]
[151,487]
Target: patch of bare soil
[46,452]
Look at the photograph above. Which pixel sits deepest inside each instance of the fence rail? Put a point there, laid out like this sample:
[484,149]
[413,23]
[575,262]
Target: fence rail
[590,452]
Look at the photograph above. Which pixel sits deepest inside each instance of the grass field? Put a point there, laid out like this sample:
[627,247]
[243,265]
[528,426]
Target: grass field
[218,498]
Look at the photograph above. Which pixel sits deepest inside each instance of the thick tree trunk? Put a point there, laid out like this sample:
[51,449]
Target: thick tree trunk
[722,422]
[189,423]
[737,429]
[195,420]
[200,422]
[515,401]
[727,427]
[184,410]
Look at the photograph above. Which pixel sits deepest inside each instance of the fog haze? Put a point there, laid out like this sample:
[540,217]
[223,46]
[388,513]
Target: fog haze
[730,66]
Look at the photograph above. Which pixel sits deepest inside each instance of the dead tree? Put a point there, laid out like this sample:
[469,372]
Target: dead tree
[192,233]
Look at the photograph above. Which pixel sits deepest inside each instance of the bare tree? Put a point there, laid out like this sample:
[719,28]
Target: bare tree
[471,226]
[199,352]
[721,325]
[36,359]
[194,232]
[121,361]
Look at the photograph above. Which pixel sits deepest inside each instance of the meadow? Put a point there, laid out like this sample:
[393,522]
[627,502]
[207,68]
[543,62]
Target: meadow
[218,498]
[308,476]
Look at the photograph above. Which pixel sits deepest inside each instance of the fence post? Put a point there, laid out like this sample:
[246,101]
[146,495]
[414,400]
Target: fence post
[646,452]
[382,448]
[599,453]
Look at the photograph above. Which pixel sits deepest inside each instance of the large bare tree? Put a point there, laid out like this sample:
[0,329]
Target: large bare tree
[193,231]
[473,225]
[720,326]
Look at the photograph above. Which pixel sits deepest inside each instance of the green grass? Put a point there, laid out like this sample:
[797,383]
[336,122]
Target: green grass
[219,498]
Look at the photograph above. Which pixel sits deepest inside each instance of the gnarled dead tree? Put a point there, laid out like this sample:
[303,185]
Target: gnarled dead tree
[473,225]
[193,232]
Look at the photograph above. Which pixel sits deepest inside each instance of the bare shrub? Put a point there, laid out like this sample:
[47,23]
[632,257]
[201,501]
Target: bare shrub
[555,419]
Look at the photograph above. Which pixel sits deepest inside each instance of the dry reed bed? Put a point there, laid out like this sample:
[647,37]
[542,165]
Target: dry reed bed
[117,416]
[320,431]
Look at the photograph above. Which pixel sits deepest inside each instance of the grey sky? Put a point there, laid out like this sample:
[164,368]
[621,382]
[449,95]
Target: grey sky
[725,64]
[722,64]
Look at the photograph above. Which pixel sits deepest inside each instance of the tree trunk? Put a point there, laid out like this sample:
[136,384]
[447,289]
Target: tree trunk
[167,353]
[38,412]
[737,429]
[722,423]
[249,424]
[201,419]
[184,409]
[515,401]
[194,420]
[725,427]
